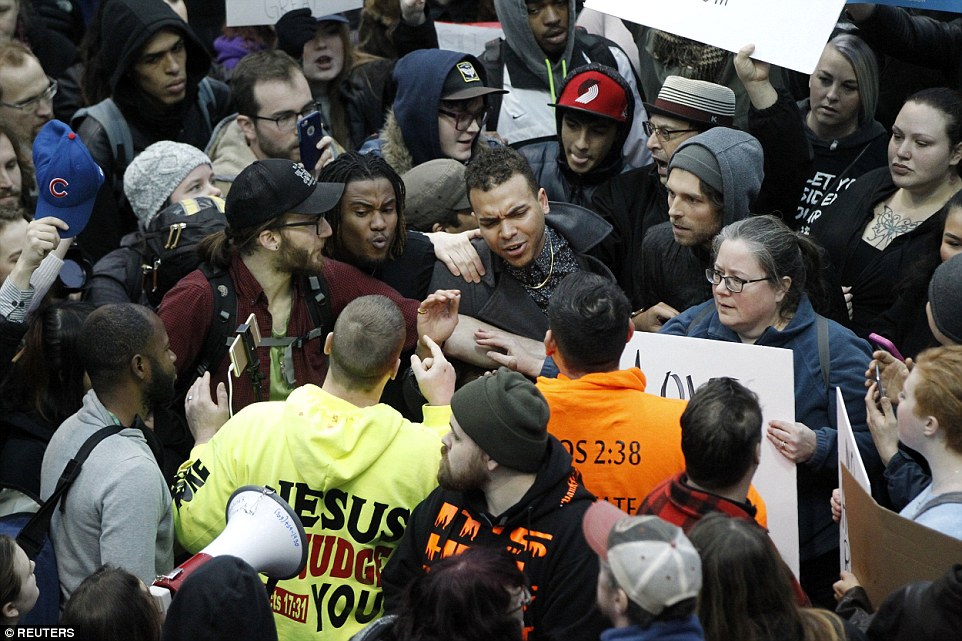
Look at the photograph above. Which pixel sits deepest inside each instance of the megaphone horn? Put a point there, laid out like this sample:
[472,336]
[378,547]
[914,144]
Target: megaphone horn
[261,529]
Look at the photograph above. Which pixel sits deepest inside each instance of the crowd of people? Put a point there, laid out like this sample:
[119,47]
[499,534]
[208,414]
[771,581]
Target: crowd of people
[394,282]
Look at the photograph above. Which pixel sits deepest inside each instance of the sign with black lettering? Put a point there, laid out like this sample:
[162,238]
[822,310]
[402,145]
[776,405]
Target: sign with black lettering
[676,365]
[851,459]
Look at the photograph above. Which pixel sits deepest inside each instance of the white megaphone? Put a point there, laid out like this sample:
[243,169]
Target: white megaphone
[261,529]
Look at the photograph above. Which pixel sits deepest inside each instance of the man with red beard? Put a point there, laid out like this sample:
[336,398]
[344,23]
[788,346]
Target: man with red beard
[505,482]
[270,257]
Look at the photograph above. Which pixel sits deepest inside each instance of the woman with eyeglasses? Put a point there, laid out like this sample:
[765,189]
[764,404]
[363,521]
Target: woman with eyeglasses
[766,286]
[876,232]
[439,111]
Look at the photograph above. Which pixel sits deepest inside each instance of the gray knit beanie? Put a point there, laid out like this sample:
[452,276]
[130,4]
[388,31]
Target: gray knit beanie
[945,298]
[156,172]
[701,162]
[506,416]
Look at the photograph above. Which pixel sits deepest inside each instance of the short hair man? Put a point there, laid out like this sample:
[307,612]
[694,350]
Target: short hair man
[437,199]
[26,93]
[593,113]
[333,453]
[721,432]
[713,180]
[623,440]
[636,200]
[118,511]
[650,574]
[271,253]
[271,95]
[504,482]
[525,255]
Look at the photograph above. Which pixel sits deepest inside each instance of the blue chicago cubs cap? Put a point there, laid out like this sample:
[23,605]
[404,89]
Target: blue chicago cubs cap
[68,179]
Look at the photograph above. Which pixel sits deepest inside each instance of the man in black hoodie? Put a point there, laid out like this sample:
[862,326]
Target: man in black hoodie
[505,482]
[155,67]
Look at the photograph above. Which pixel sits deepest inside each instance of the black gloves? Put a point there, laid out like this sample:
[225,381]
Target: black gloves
[293,30]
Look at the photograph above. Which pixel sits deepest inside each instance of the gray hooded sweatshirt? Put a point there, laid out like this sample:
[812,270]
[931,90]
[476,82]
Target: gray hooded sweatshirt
[533,80]
[675,274]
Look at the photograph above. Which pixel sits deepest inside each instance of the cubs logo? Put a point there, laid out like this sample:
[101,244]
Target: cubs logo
[468,72]
[58,188]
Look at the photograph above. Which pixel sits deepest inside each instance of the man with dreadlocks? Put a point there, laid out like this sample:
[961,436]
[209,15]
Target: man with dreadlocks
[270,258]
[369,231]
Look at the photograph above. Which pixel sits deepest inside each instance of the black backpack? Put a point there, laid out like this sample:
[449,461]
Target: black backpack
[168,249]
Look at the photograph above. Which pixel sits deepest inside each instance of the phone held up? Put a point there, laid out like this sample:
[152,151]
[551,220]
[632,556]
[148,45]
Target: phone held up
[887,345]
[310,130]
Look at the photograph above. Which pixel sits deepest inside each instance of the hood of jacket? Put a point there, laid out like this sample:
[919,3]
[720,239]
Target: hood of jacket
[741,162]
[129,24]
[613,162]
[419,77]
[351,441]
[866,132]
[224,599]
[513,15]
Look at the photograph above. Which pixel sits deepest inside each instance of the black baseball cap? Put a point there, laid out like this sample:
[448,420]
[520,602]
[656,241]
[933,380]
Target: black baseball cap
[268,189]
[464,82]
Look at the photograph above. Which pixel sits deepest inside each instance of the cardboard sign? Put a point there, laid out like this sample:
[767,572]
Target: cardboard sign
[247,13]
[955,6]
[850,458]
[675,366]
[889,550]
[787,33]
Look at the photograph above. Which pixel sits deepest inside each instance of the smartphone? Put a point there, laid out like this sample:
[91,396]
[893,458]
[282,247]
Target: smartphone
[887,345]
[309,131]
[878,381]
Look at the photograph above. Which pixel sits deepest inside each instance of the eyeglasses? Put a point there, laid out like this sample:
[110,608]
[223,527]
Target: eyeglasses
[664,133]
[734,284]
[286,121]
[31,103]
[524,600]
[317,224]
[463,119]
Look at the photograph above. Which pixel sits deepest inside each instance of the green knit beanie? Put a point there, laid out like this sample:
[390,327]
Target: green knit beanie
[506,416]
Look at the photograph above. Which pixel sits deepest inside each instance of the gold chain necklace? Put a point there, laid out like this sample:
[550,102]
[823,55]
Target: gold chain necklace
[550,268]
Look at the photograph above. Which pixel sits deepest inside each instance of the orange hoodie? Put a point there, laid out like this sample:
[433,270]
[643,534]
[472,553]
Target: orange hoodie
[623,440]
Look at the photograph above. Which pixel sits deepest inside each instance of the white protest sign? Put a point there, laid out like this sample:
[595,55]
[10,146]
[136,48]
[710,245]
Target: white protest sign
[788,33]
[467,38]
[246,13]
[851,459]
[676,365]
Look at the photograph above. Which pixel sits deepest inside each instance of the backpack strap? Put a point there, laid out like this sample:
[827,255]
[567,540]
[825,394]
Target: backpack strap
[824,351]
[115,126]
[699,317]
[941,499]
[33,533]
[223,324]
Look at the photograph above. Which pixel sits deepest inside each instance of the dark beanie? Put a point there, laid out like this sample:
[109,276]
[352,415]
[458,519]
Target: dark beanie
[506,416]
[700,161]
[945,298]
